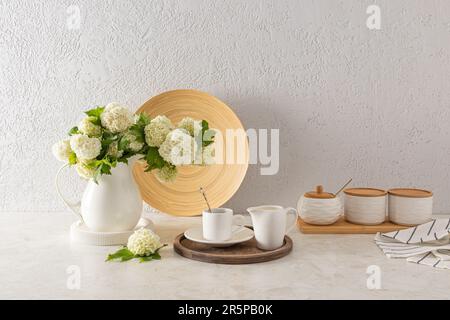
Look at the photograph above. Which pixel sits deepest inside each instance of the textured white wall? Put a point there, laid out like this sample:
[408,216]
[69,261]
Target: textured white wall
[373,105]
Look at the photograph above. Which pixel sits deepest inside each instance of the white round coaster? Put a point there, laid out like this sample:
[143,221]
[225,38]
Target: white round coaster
[79,233]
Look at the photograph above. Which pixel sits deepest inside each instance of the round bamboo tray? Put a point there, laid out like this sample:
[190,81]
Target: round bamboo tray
[220,181]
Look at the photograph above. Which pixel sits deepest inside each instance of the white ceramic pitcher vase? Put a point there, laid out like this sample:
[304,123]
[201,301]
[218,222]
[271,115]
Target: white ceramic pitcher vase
[114,204]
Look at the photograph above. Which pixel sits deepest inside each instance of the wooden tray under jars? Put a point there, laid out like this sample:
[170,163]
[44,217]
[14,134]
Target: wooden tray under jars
[344,227]
[242,253]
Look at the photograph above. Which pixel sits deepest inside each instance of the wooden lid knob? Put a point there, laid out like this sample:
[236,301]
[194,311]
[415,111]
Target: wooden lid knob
[319,194]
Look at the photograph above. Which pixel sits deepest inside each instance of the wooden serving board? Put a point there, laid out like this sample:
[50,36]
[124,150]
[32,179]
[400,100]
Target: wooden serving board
[344,227]
[242,253]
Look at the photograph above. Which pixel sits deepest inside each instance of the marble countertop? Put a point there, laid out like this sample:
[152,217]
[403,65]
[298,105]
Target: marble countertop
[37,261]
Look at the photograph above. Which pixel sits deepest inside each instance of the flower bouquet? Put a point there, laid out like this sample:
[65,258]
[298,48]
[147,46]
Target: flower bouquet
[110,134]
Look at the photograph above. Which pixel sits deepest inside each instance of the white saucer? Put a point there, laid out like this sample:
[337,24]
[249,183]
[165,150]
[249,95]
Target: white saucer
[79,233]
[196,234]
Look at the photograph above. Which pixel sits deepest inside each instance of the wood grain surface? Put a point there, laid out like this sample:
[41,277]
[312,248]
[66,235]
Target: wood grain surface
[243,253]
[344,227]
[220,181]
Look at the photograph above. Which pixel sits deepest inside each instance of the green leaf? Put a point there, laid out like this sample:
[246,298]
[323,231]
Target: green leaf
[107,139]
[126,258]
[207,134]
[153,256]
[123,254]
[109,161]
[95,120]
[156,256]
[110,135]
[154,159]
[207,143]
[205,125]
[102,166]
[143,119]
[96,112]
[105,168]
[94,115]
[137,129]
[138,132]
[93,164]
[72,158]
[123,143]
[145,259]
[144,151]
[73,131]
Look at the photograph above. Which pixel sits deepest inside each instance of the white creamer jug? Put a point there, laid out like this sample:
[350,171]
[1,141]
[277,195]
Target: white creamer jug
[270,224]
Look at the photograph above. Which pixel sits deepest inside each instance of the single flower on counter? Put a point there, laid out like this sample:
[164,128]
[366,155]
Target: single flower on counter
[143,244]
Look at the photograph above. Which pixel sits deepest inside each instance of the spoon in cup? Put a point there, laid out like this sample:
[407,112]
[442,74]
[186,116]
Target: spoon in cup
[206,199]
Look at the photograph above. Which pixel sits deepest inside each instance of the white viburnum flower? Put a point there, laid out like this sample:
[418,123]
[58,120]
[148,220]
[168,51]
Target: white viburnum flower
[167,174]
[133,145]
[84,171]
[85,148]
[192,126]
[88,128]
[157,130]
[113,150]
[178,148]
[61,150]
[143,242]
[116,118]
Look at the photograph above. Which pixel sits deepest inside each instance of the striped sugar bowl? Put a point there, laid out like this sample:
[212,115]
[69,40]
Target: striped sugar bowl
[410,206]
[319,207]
[365,206]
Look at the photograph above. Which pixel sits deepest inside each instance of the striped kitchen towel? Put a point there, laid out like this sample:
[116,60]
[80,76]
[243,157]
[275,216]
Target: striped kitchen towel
[427,244]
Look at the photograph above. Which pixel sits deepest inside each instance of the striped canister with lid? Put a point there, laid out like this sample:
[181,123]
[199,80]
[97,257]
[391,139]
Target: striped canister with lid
[366,206]
[410,206]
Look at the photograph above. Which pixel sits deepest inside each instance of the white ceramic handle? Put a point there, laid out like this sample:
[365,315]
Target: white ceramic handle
[291,212]
[239,220]
[74,207]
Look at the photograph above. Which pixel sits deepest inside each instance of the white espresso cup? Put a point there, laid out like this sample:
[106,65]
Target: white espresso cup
[220,224]
[270,224]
